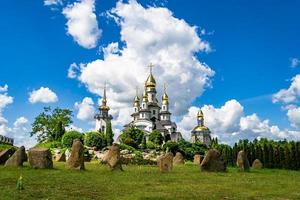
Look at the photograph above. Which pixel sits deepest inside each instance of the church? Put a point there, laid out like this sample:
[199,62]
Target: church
[149,115]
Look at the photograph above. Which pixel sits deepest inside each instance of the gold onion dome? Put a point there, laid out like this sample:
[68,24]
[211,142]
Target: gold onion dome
[136,101]
[150,82]
[145,96]
[201,128]
[165,98]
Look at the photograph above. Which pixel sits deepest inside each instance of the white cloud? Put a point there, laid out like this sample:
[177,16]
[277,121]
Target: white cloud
[52,2]
[154,35]
[42,95]
[20,122]
[4,88]
[289,95]
[86,110]
[74,128]
[294,117]
[20,129]
[295,62]
[82,23]
[73,70]
[230,124]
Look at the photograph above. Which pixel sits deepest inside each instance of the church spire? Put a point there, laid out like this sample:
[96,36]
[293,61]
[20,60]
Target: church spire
[136,98]
[104,99]
[150,83]
[165,98]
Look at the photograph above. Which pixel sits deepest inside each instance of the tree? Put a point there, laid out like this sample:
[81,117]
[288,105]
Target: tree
[156,137]
[109,134]
[132,137]
[50,124]
[95,139]
[69,137]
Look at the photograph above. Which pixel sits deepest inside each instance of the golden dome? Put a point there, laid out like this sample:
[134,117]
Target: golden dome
[145,96]
[136,99]
[201,128]
[165,99]
[150,82]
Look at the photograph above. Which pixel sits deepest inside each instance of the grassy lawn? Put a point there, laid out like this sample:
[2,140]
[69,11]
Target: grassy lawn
[145,182]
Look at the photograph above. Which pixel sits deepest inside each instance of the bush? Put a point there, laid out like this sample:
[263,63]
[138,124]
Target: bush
[68,137]
[95,139]
[156,137]
[150,145]
[132,137]
[190,149]
[171,147]
[124,146]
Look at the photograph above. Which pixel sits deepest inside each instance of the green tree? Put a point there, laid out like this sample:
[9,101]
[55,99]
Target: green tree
[69,137]
[109,134]
[50,124]
[132,137]
[156,137]
[95,139]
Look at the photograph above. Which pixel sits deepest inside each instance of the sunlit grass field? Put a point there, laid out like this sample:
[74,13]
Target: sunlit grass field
[145,182]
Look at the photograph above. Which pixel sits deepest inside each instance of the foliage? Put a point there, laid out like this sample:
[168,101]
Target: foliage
[6,146]
[273,154]
[67,139]
[95,139]
[50,145]
[109,134]
[132,137]
[50,124]
[124,146]
[150,145]
[156,137]
[171,147]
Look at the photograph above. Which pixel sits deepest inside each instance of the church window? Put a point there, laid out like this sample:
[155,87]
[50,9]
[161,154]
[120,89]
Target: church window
[153,112]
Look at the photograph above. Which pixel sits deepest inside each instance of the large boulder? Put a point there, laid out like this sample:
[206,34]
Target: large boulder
[198,159]
[178,159]
[257,164]
[113,158]
[40,158]
[165,162]
[76,160]
[5,155]
[17,159]
[213,162]
[242,161]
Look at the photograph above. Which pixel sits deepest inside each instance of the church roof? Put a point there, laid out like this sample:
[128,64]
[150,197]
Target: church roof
[201,129]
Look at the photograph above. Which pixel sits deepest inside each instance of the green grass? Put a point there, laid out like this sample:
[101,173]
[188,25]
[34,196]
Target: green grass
[145,182]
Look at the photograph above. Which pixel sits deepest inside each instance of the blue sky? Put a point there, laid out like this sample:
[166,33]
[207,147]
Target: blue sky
[252,44]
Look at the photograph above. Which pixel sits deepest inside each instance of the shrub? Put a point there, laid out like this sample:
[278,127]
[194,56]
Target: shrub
[67,139]
[150,145]
[132,137]
[171,147]
[124,146]
[156,137]
[95,139]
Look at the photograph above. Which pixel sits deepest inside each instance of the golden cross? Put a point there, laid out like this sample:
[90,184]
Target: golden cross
[150,67]
[165,87]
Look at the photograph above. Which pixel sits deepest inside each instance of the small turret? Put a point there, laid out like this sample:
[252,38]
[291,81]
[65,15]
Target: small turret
[200,118]
[136,104]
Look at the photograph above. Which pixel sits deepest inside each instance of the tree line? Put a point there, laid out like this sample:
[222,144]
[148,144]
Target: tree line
[273,154]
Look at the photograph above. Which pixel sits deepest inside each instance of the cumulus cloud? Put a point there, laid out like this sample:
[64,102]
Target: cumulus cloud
[229,123]
[294,117]
[52,2]
[4,88]
[82,23]
[86,110]
[289,95]
[42,95]
[295,62]
[20,129]
[149,35]
[73,70]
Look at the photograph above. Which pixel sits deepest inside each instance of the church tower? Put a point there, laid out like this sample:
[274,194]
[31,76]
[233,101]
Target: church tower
[144,111]
[136,106]
[150,86]
[164,113]
[103,117]
[201,133]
